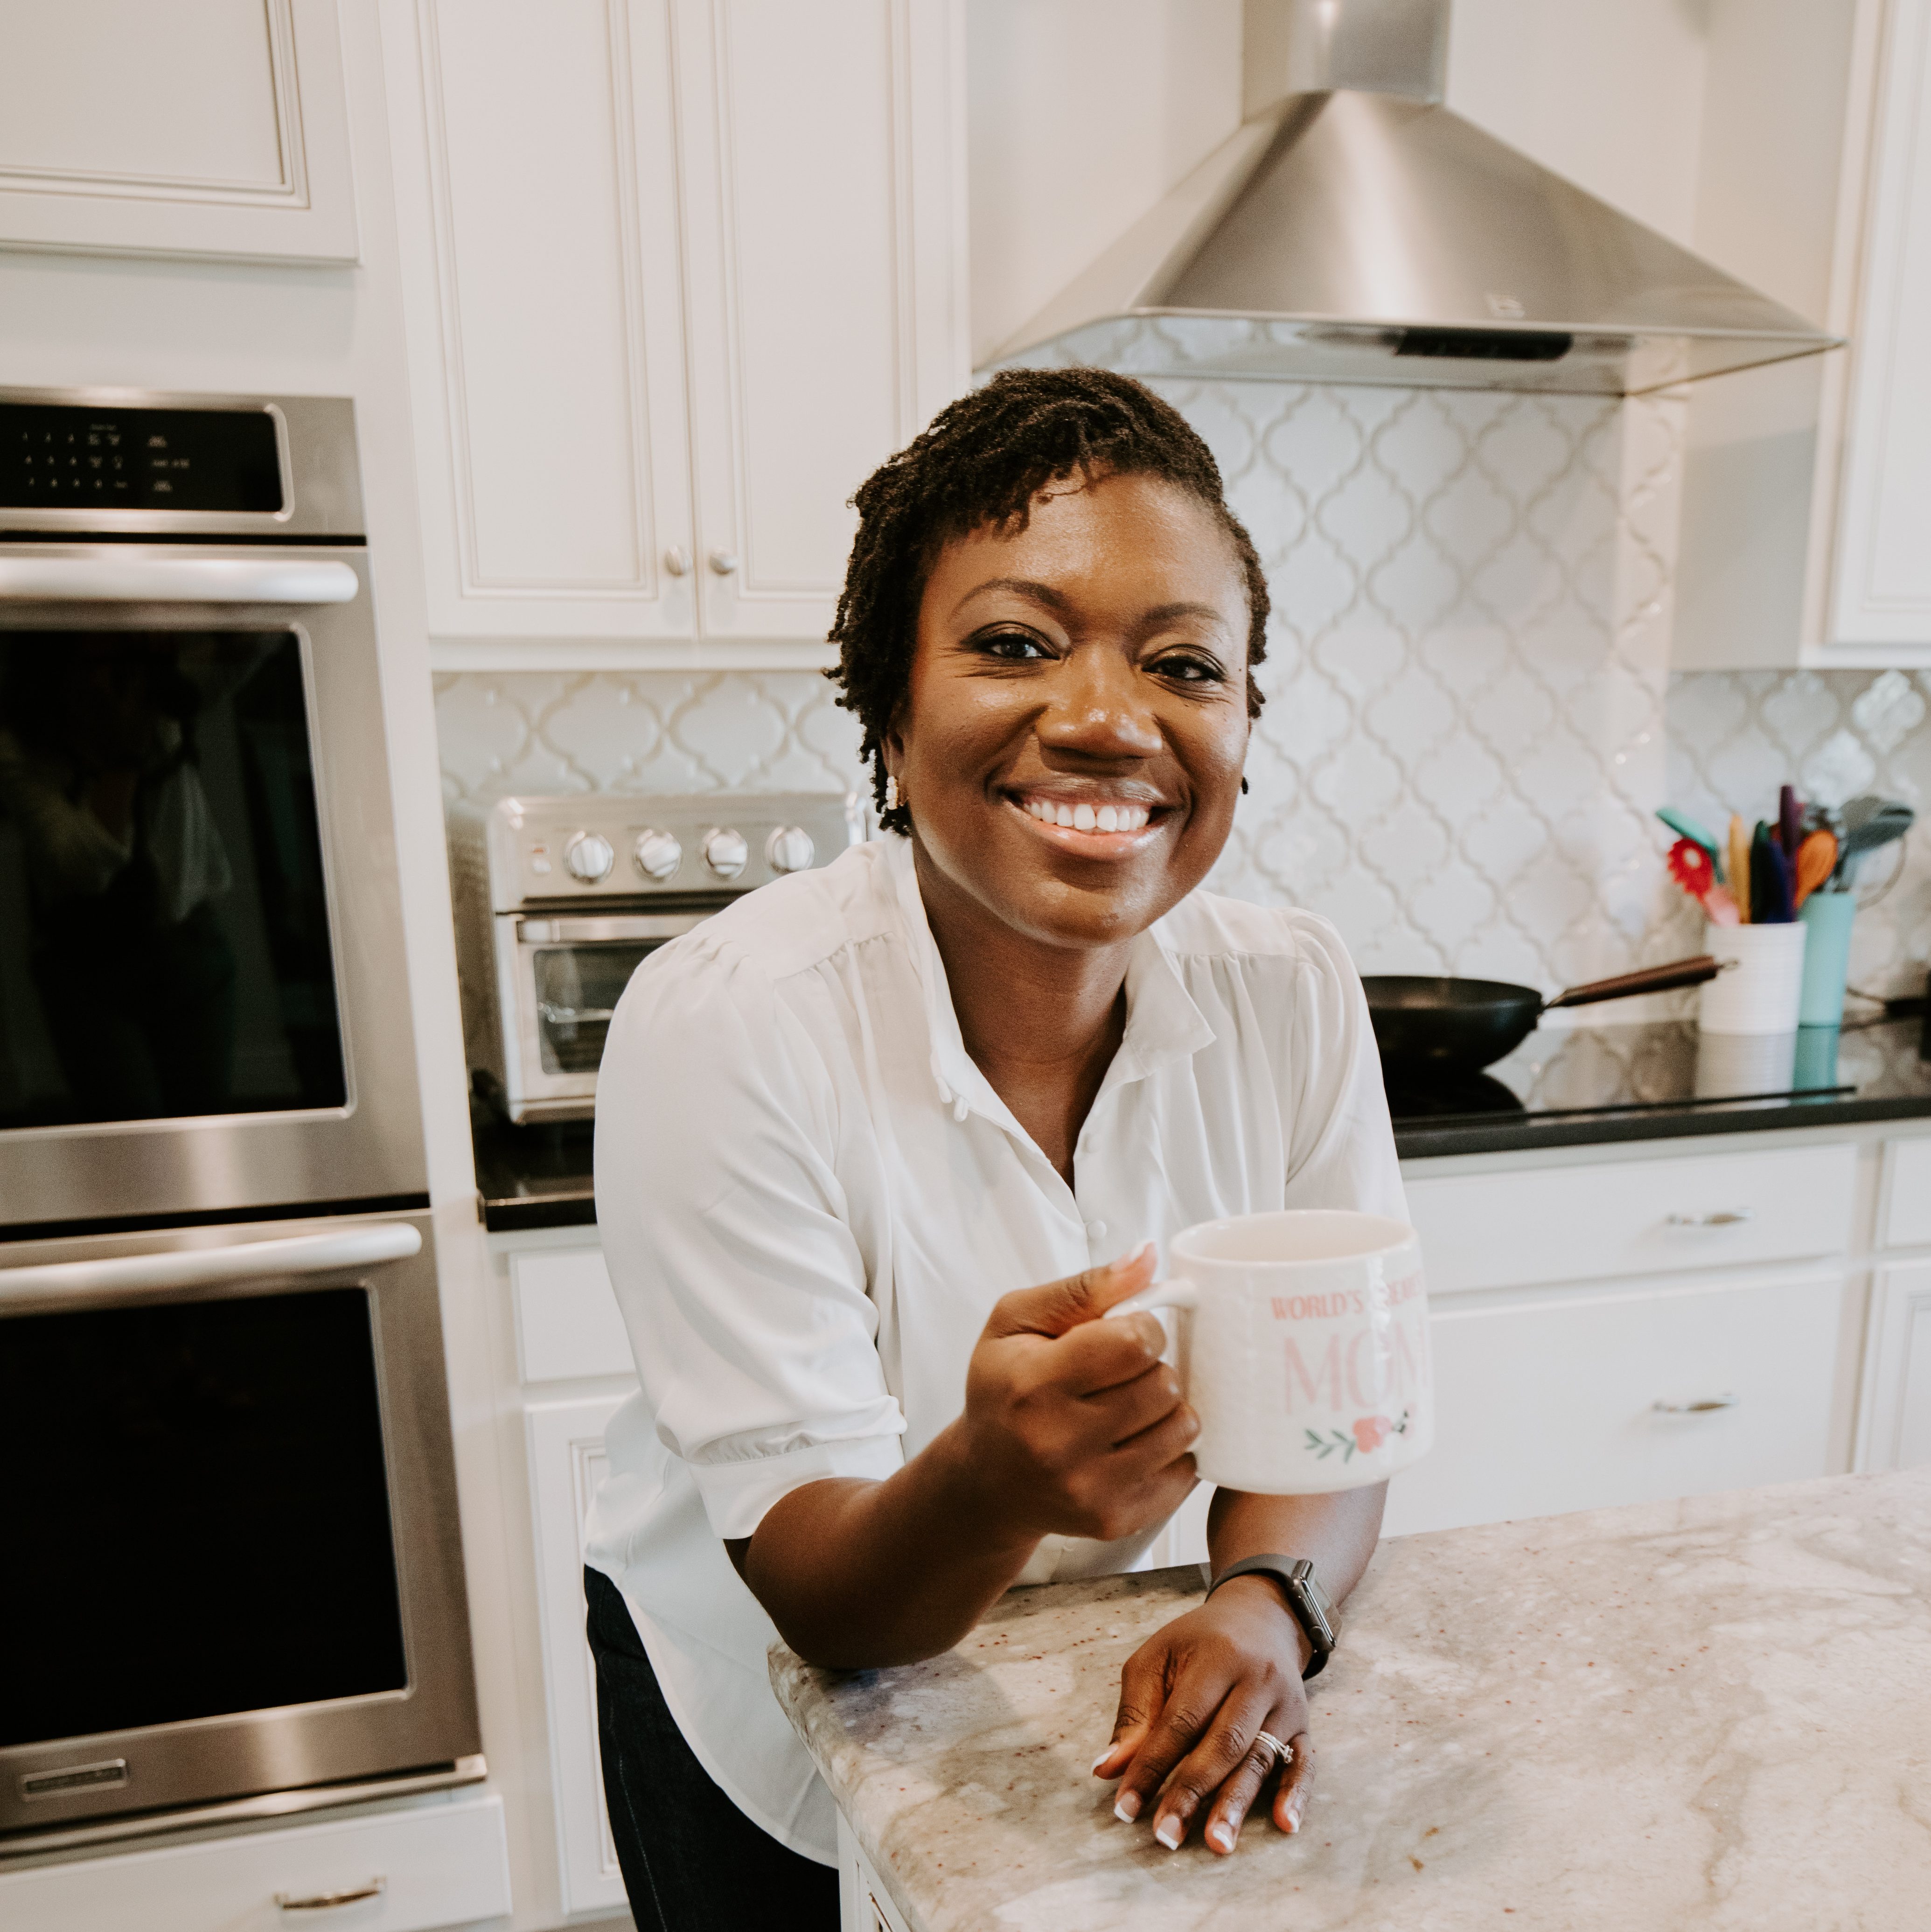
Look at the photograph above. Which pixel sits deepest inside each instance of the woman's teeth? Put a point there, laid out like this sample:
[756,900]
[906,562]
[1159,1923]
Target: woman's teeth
[1084,818]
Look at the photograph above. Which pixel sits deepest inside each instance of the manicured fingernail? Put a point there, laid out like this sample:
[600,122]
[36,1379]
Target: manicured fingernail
[1127,1807]
[1138,1255]
[1170,1830]
[1294,1814]
[1220,1835]
[1102,1757]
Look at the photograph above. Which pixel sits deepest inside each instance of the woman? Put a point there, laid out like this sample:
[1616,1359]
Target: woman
[870,1143]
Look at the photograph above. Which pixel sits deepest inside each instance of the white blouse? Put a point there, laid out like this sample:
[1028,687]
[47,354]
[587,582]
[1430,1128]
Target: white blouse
[810,1197]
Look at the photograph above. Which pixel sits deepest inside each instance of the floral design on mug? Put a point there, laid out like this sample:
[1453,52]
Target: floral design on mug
[1368,1433]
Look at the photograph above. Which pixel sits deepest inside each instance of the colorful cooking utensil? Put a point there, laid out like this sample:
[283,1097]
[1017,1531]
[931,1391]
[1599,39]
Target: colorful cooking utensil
[1740,868]
[1816,860]
[1789,819]
[1719,906]
[1691,867]
[1685,826]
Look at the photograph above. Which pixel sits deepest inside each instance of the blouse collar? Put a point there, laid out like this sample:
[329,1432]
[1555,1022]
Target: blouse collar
[1163,1024]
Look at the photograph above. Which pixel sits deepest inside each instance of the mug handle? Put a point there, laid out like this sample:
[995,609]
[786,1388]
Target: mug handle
[1177,1293]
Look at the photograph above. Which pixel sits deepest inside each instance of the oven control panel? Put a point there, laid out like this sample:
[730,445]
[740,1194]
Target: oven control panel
[64,456]
[540,852]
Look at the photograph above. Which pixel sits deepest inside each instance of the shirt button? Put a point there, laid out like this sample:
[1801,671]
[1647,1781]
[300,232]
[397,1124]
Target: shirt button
[1097,1229]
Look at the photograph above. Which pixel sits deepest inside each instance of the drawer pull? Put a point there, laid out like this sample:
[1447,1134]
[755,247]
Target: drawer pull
[1721,1217]
[326,1901]
[1702,1406]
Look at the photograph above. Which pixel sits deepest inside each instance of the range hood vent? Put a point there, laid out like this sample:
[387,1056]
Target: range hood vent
[1355,230]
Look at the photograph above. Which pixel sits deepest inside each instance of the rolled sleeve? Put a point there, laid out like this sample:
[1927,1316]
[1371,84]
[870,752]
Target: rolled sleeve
[726,1232]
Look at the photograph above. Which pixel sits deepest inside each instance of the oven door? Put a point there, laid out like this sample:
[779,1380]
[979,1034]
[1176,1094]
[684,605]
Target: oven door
[201,977]
[234,1576]
[560,979]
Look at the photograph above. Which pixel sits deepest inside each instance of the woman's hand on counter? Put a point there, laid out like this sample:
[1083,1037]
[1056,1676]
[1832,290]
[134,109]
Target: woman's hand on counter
[1198,1695]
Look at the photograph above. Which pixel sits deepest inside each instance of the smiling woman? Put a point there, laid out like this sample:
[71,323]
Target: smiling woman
[869,1142]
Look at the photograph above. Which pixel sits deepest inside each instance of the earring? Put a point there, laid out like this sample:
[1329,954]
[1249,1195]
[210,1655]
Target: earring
[1243,784]
[891,791]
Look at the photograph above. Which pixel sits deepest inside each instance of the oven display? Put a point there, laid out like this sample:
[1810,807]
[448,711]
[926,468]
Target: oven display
[60,457]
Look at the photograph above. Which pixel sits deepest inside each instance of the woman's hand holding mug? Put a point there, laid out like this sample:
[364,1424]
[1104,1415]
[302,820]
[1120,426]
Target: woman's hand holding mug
[1074,1426]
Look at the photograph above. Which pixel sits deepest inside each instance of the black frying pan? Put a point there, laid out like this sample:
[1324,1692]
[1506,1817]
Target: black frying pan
[1431,1026]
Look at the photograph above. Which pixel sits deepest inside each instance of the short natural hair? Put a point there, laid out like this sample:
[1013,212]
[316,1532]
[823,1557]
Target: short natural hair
[982,462]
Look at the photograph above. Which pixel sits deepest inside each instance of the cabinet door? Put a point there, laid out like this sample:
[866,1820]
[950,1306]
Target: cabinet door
[1882,582]
[206,128]
[536,171]
[566,1463]
[1897,1382]
[824,300]
[1582,1400]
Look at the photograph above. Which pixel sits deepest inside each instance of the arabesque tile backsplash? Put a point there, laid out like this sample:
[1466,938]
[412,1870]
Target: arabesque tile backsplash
[1470,716]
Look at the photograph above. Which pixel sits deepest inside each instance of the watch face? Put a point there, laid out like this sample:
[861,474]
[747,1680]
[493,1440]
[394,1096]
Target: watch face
[1319,1610]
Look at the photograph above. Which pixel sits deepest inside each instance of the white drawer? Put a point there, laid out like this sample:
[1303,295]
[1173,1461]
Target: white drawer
[567,1320]
[1907,1211]
[1550,1406]
[1632,1217]
[440,1865]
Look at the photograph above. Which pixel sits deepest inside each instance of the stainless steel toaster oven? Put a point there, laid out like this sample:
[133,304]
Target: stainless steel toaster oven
[559,900]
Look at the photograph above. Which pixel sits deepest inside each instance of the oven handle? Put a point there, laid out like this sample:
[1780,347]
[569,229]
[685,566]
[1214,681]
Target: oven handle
[193,1267]
[176,579]
[579,931]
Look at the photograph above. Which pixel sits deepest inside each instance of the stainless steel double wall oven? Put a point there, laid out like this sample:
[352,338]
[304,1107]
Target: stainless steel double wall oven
[234,1576]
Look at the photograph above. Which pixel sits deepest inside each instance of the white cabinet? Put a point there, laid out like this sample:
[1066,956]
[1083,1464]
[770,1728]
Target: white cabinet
[574,1363]
[206,128]
[1880,588]
[405,1869]
[1632,1217]
[681,273]
[1807,486]
[1575,1398]
[1907,1195]
[1897,1394]
[566,1464]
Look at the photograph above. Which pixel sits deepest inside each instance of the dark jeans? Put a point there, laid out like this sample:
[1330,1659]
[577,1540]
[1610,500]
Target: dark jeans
[692,1862]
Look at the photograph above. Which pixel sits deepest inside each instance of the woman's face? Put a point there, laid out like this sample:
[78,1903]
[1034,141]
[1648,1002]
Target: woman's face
[1091,668]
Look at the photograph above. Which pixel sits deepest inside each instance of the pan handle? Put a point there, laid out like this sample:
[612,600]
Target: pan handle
[1650,980]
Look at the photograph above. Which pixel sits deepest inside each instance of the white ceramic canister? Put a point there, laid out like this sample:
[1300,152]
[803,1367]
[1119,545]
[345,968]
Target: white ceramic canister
[1759,993]
[1304,1350]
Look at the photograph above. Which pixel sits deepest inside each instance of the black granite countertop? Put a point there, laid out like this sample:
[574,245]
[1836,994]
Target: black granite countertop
[537,1176]
[1567,1086]
[1572,1086]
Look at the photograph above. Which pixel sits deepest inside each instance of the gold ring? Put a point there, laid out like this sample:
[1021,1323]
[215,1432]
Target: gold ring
[1283,1753]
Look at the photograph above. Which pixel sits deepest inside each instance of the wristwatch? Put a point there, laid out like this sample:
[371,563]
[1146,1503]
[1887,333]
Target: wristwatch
[1309,1603]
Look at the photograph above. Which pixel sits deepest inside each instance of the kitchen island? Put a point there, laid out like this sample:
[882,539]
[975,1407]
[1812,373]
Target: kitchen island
[1711,1713]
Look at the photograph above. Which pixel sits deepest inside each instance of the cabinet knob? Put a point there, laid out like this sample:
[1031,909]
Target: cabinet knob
[677,561]
[1702,1406]
[1722,1217]
[724,562]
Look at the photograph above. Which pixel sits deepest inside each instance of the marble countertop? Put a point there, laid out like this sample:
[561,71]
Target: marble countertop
[1713,1713]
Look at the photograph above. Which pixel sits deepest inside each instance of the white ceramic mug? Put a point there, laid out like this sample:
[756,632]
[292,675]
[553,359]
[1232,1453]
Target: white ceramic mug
[1305,1350]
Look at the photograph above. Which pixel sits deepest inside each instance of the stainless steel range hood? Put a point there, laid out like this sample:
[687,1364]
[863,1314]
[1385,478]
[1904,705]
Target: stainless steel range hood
[1355,230]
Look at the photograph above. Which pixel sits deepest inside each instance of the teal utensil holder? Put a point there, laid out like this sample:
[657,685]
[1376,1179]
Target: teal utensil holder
[1826,958]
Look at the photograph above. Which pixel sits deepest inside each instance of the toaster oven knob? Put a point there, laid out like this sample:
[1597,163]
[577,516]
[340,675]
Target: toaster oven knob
[789,849]
[726,853]
[657,853]
[590,857]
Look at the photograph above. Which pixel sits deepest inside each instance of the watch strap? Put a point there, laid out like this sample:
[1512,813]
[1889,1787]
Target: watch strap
[1306,1602]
